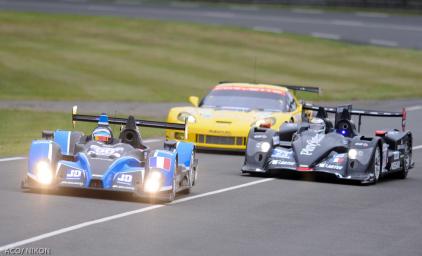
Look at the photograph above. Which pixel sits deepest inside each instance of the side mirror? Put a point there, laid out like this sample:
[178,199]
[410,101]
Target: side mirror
[194,100]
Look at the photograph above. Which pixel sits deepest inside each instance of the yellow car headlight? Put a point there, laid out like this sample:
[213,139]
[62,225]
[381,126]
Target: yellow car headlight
[153,182]
[44,173]
[265,122]
[185,116]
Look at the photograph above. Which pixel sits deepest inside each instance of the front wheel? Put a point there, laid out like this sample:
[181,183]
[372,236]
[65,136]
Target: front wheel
[376,165]
[171,195]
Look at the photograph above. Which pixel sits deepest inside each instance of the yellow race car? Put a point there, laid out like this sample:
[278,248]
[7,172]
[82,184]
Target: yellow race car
[223,118]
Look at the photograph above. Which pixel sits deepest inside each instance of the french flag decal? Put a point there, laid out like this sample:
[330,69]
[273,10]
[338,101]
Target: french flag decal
[160,162]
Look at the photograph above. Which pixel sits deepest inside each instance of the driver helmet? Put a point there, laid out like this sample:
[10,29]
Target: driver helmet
[317,125]
[102,134]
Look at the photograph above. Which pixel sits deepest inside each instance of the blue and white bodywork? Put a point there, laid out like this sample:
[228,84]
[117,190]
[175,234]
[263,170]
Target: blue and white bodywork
[73,160]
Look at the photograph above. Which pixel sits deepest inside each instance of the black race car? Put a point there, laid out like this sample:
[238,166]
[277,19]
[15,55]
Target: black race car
[338,149]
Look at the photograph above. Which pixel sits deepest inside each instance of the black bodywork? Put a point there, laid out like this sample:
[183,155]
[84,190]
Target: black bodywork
[297,148]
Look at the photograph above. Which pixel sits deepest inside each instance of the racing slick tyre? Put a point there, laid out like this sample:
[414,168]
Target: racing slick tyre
[192,175]
[376,165]
[171,195]
[193,172]
[406,162]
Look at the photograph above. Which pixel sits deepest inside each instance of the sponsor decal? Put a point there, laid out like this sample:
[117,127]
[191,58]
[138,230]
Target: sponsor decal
[259,136]
[362,144]
[339,159]
[395,165]
[64,182]
[330,166]
[284,154]
[123,187]
[335,163]
[159,162]
[282,162]
[125,179]
[312,144]
[73,174]
[104,151]
[219,132]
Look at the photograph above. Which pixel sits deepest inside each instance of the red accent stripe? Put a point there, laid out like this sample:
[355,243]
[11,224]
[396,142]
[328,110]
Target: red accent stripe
[304,169]
[251,89]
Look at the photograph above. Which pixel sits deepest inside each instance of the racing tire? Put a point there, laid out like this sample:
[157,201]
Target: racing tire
[193,172]
[406,163]
[192,175]
[376,165]
[171,195]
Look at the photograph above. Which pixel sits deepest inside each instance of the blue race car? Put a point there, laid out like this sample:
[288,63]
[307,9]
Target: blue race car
[70,159]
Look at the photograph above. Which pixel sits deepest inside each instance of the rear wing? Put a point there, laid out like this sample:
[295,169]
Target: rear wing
[301,88]
[359,112]
[123,121]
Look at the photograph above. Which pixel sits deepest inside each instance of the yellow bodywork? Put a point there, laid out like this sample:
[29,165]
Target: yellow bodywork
[226,129]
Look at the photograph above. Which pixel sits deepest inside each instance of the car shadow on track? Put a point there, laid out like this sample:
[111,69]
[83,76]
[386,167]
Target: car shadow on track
[324,178]
[94,194]
[309,177]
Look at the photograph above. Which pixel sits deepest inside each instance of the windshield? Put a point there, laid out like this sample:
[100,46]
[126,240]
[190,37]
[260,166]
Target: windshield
[246,100]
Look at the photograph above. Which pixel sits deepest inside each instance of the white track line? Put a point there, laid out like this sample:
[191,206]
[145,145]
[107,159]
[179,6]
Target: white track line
[349,23]
[243,8]
[307,11]
[12,159]
[417,147]
[325,36]
[122,215]
[372,14]
[222,15]
[181,200]
[184,5]
[268,29]
[383,42]
[413,108]
[102,8]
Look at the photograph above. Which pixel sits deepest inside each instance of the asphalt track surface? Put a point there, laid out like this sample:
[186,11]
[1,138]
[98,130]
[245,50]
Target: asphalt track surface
[357,27]
[226,213]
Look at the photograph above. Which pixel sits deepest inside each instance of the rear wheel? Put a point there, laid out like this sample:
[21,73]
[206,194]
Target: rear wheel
[406,162]
[193,175]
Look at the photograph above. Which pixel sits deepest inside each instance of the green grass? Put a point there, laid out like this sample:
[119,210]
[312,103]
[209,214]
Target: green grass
[67,57]
[19,128]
